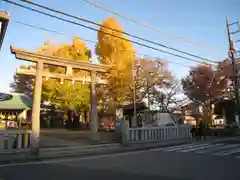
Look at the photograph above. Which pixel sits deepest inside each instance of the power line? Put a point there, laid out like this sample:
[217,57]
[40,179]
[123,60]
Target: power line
[128,34]
[51,30]
[86,40]
[145,25]
[94,29]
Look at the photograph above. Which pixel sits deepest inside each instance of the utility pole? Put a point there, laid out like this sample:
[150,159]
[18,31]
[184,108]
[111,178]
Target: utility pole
[232,53]
[134,71]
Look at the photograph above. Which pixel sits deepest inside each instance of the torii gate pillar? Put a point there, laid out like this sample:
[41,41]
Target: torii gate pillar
[36,108]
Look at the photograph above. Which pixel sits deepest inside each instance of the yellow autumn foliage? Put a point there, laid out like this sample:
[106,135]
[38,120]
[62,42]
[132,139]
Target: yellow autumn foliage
[66,95]
[112,49]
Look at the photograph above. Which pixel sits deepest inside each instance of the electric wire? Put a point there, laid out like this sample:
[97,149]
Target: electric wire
[89,41]
[128,34]
[146,25]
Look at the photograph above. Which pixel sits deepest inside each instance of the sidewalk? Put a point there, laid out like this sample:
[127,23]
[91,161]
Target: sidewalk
[88,150]
[67,137]
[84,150]
[49,142]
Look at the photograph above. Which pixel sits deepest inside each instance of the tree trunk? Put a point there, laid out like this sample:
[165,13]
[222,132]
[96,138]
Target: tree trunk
[69,122]
[76,123]
[207,113]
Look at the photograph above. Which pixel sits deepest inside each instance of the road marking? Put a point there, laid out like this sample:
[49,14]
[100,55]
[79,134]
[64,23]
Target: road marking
[199,148]
[187,147]
[225,139]
[177,146]
[217,148]
[100,156]
[228,152]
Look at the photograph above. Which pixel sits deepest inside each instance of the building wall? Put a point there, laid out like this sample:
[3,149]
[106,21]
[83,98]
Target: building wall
[22,116]
[189,116]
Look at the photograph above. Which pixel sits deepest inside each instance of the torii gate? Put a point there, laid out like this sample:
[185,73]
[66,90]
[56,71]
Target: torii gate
[4,19]
[39,72]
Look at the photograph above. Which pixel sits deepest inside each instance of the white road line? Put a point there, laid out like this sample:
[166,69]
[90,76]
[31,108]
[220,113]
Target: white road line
[231,151]
[87,158]
[225,139]
[215,147]
[178,146]
[187,147]
[199,148]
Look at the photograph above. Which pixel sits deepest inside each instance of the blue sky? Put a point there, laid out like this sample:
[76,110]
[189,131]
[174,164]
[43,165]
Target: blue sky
[199,21]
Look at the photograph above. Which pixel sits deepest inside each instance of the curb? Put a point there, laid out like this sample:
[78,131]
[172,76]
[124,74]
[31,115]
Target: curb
[89,150]
[79,147]
[83,152]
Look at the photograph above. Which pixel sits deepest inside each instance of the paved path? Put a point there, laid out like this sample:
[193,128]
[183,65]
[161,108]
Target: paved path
[142,165]
[49,141]
[71,138]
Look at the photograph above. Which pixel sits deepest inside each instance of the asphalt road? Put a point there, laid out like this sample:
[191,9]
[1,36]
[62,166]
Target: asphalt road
[232,140]
[142,165]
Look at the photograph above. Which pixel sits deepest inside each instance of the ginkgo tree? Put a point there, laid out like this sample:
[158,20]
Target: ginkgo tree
[130,73]
[56,89]
[63,94]
[112,49]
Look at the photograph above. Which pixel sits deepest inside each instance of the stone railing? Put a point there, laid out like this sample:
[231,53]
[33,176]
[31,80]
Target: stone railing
[11,140]
[148,134]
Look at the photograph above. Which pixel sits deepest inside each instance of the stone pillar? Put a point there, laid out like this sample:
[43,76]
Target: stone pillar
[94,114]
[124,125]
[36,109]
[119,113]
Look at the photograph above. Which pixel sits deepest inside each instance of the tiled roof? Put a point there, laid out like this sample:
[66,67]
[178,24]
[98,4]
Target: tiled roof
[17,102]
[5,96]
